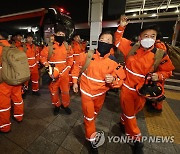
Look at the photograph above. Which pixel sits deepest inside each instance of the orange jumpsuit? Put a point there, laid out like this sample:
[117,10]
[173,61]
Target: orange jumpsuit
[8,93]
[63,60]
[32,53]
[136,67]
[93,86]
[77,49]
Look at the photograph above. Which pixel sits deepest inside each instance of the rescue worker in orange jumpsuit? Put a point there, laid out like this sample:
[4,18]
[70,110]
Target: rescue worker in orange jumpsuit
[137,66]
[63,60]
[32,53]
[19,44]
[8,93]
[18,41]
[96,80]
[78,47]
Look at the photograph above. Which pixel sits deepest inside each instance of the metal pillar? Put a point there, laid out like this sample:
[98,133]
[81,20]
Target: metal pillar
[176,32]
[95,21]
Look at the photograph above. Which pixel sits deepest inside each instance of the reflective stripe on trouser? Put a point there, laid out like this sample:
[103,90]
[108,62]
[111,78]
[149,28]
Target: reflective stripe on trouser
[91,107]
[18,104]
[63,84]
[34,78]
[131,104]
[7,93]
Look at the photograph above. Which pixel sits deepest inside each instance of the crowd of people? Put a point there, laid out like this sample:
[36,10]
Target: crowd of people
[92,72]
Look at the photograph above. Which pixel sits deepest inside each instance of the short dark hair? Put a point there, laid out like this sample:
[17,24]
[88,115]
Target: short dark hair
[153,27]
[107,32]
[18,33]
[59,28]
[29,35]
[76,34]
[4,34]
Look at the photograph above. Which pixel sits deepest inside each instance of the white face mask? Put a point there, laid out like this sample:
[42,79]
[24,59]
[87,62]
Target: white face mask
[147,42]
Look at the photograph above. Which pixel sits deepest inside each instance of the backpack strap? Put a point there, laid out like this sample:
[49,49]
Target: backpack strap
[50,51]
[1,44]
[89,56]
[157,58]
[66,46]
[24,47]
[133,49]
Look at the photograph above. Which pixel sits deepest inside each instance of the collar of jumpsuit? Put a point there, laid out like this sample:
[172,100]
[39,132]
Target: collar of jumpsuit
[105,56]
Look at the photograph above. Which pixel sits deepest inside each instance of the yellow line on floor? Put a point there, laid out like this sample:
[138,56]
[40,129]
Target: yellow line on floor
[164,124]
[172,94]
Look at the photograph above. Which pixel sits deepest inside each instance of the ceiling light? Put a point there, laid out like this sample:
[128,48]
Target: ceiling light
[154,15]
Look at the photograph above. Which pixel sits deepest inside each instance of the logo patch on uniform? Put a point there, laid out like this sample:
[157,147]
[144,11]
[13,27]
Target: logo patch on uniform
[118,67]
[163,62]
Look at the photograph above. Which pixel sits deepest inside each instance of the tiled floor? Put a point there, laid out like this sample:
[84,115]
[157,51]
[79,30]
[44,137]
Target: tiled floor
[43,133]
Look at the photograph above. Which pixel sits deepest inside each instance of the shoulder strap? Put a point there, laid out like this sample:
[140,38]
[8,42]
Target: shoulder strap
[34,47]
[87,62]
[24,47]
[72,44]
[1,44]
[133,49]
[157,58]
[50,51]
[66,46]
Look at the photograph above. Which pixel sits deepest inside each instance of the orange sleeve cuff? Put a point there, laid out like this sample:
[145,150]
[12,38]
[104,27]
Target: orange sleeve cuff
[120,28]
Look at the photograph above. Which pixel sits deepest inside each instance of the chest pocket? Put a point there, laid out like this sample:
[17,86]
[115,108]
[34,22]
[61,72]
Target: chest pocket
[141,62]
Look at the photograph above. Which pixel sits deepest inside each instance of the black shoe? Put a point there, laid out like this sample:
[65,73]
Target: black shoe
[93,150]
[24,95]
[56,110]
[36,93]
[66,109]
[122,127]
[138,148]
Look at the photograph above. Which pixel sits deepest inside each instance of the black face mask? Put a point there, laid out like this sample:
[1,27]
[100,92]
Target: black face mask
[59,39]
[104,48]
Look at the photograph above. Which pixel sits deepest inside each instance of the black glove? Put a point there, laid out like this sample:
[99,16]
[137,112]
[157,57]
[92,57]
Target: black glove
[47,68]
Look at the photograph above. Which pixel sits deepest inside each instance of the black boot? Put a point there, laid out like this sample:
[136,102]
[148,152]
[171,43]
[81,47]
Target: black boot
[122,127]
[138,148]
[66,109]
[24,95]
[93,150]
[56,110]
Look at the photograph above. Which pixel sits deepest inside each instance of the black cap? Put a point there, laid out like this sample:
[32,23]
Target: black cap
[4,34]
